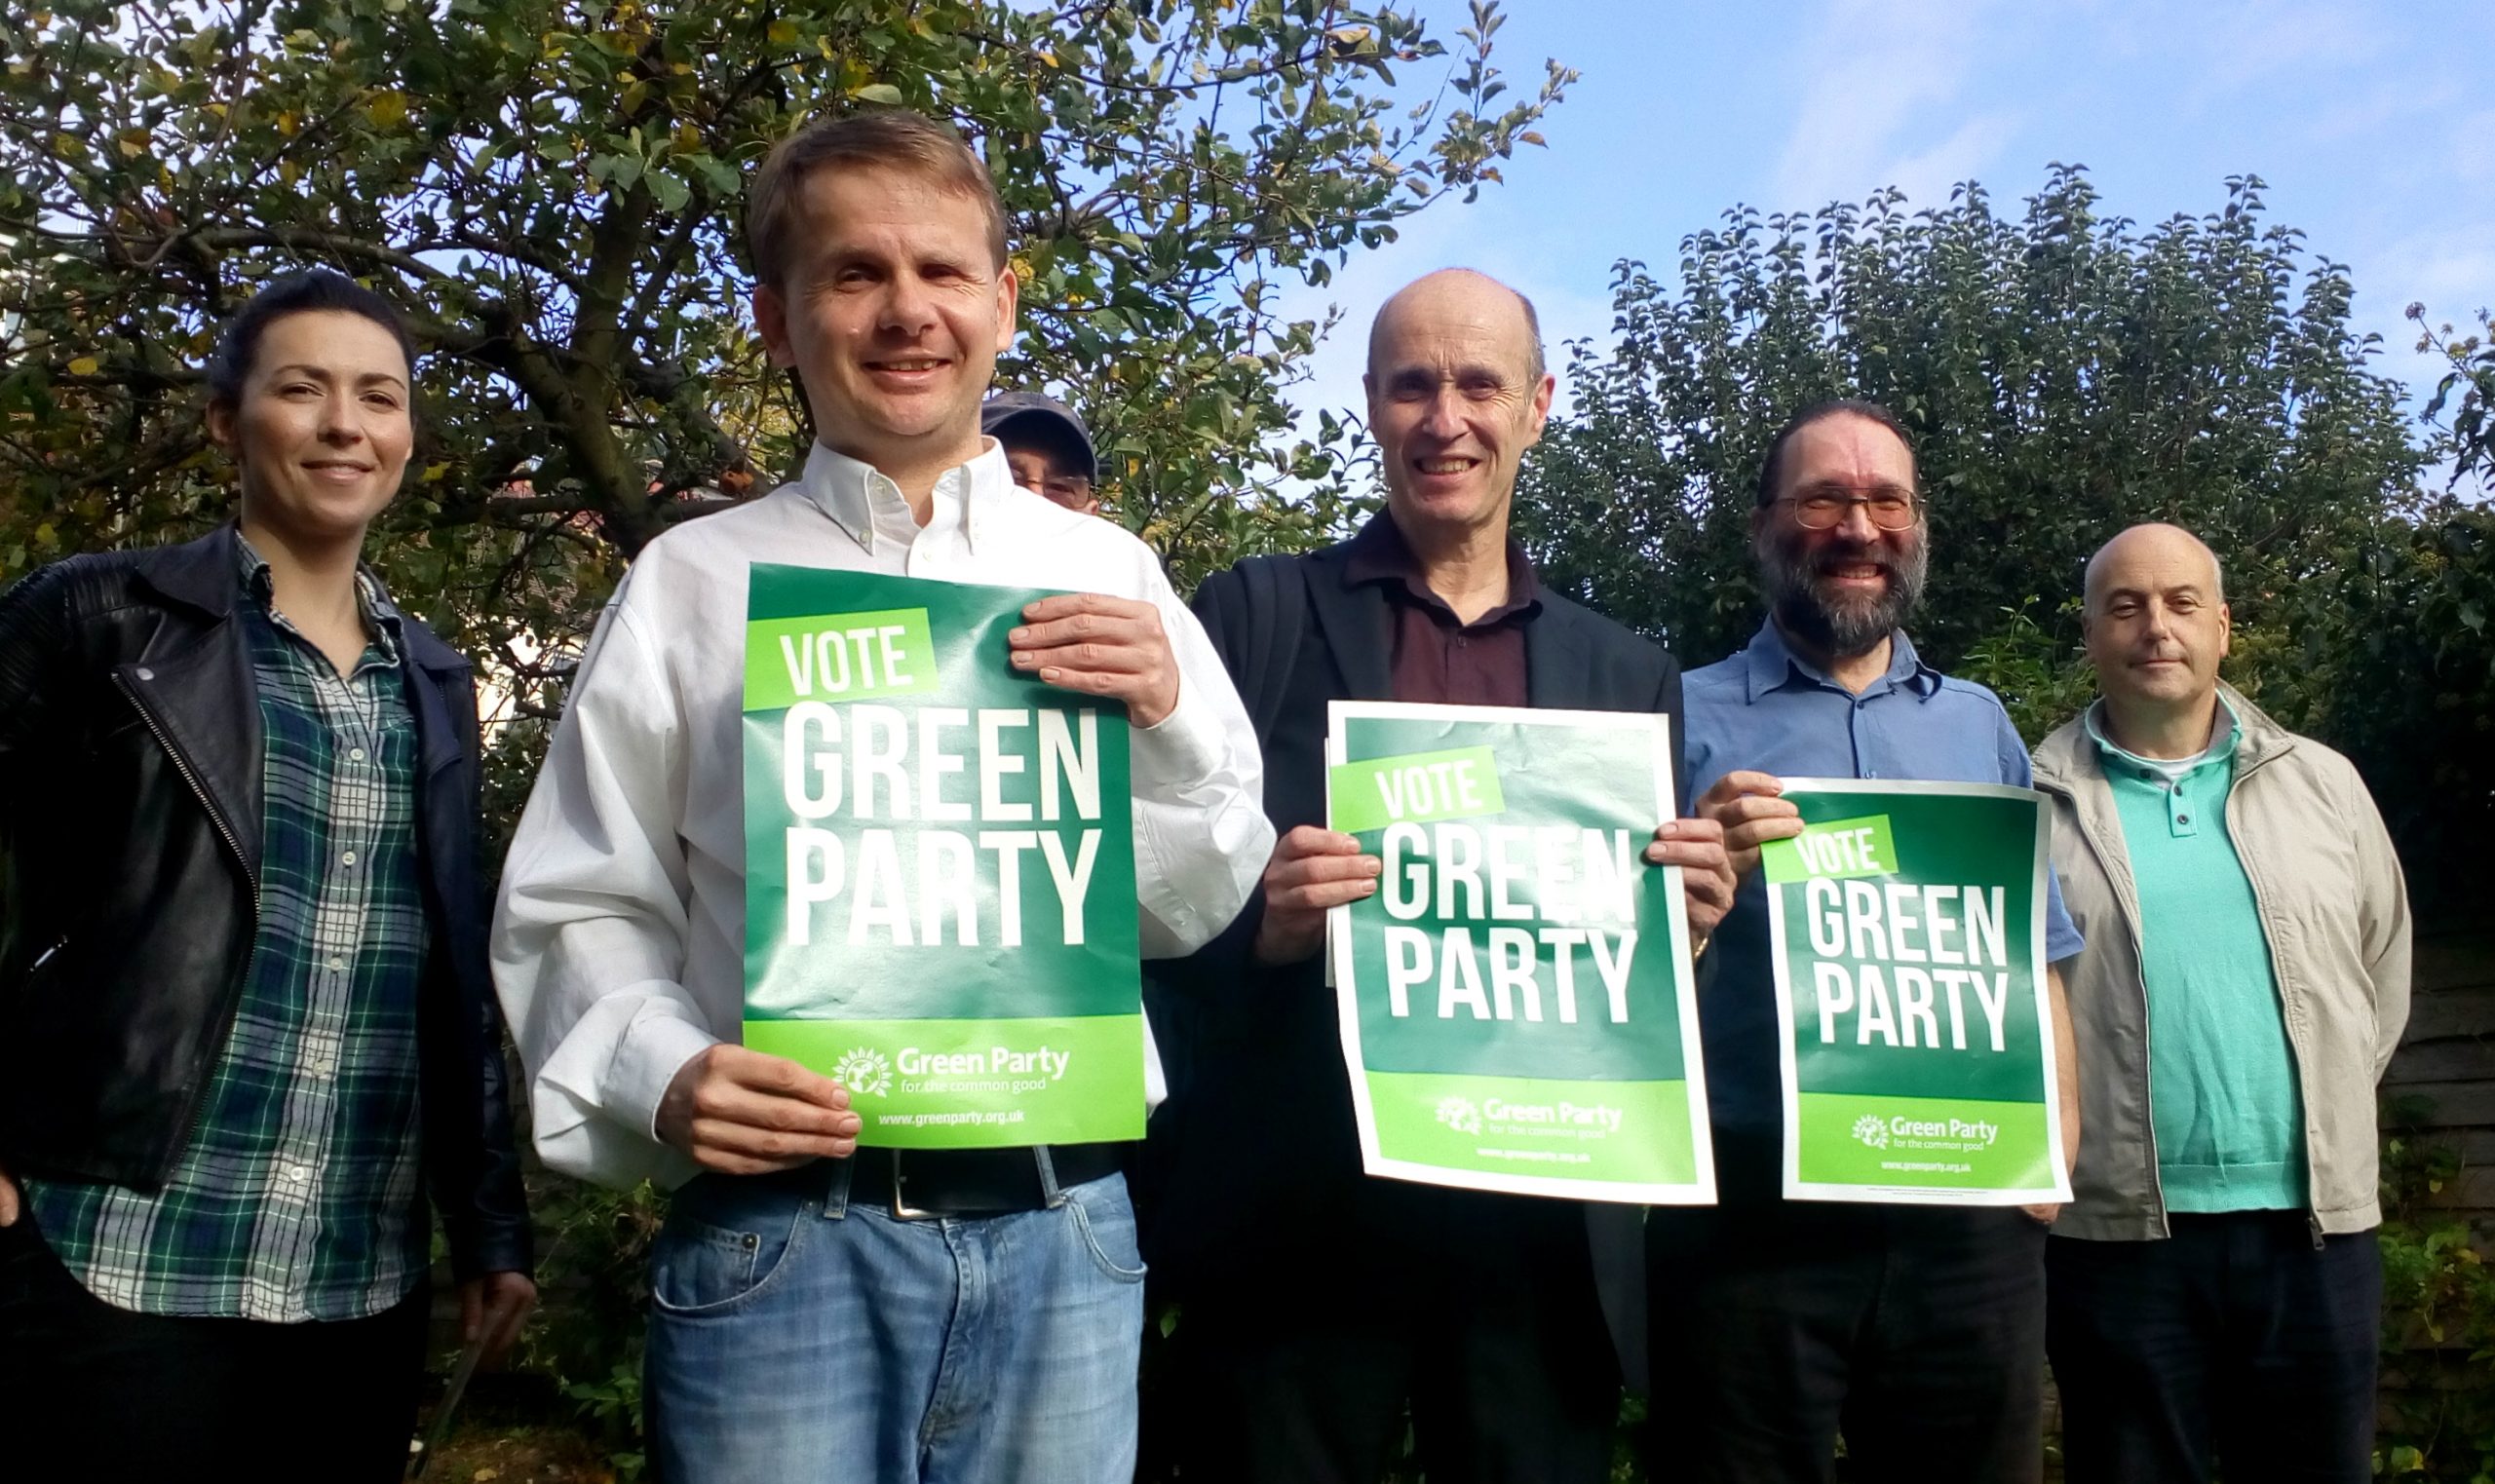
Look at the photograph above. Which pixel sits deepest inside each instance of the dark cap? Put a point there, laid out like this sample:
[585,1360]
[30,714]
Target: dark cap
[1031,412]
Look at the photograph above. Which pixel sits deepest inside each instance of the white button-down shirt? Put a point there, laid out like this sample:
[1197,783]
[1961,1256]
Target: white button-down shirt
[619,942]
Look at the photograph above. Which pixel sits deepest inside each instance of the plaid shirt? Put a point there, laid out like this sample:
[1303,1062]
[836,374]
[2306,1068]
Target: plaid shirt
[298,1193]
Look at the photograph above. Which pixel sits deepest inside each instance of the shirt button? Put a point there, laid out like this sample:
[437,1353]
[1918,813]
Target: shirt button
[336,961]
[321,1067]
[2182,818]
[346,858]
[144,674]
[298,1173]
[355,754]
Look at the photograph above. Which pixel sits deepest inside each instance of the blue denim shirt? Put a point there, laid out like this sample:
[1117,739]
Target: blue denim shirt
[1768,710]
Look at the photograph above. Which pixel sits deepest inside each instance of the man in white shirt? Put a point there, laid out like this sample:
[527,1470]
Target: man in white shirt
[823,1312]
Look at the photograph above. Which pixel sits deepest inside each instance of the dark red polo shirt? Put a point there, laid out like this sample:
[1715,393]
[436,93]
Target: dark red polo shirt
[1438,657]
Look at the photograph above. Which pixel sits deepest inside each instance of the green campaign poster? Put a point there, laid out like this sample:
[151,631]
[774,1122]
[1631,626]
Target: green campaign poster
[940,867]
[1907,923]
[1515,998]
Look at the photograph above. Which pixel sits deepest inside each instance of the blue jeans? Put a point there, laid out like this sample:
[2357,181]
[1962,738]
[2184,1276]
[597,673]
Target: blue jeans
[795,1337]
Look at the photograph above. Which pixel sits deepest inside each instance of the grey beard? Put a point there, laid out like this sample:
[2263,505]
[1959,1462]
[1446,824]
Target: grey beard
[1842,631]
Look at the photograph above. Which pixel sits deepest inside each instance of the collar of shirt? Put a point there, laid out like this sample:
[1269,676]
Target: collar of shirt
[381,620]
[1773,666]
[865,502]
[2170,770]
[1379,554]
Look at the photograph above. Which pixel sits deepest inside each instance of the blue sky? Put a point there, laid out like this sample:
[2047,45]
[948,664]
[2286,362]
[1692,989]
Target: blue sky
[2372,123]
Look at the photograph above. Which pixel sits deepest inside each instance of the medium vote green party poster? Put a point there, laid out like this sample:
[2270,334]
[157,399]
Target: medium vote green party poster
[940,867]
[1515,999]
[1906,926]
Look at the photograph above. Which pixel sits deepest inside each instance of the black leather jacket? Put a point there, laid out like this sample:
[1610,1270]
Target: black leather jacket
[129,849]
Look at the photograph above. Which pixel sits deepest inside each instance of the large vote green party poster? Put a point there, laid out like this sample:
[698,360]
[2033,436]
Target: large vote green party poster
[1906,926]
[1516,998]
[940,867]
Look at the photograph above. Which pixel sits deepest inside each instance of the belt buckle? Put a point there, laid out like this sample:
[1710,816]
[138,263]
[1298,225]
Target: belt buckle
[902,1211]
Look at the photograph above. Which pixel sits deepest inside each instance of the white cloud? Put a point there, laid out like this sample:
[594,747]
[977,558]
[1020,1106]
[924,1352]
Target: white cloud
[2441,268]
[1862,88]
[2259,39]
[2472,147]
[2450,270]
[1927,176]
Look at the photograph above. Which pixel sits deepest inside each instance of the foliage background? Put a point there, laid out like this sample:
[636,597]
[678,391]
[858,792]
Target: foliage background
[2065,374]
[552,189]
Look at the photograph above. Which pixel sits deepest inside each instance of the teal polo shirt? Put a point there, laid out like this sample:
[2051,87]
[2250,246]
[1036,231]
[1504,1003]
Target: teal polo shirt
[2223,1098]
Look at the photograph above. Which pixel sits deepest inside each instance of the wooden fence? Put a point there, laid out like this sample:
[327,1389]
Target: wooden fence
[2440,1088]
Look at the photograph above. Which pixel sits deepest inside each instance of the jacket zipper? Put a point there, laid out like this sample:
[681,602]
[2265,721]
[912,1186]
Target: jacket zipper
[2148,1058]
[2148,1063]
[197,1111]
[2129,912]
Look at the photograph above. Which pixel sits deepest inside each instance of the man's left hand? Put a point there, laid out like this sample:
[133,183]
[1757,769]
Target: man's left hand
[2043,1215]
[1752,808]
[1101,646]
[1697,847]
[493,1306]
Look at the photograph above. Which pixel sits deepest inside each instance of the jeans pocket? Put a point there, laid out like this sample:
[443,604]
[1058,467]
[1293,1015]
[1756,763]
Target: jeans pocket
[1106,1217]
[724,1240]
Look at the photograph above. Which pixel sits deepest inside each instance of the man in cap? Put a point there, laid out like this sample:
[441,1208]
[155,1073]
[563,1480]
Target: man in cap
[1046,446]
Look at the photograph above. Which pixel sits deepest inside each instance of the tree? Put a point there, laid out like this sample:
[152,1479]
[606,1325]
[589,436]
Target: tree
[552,191]
[2470,435]
[2065,374]
[2408,691]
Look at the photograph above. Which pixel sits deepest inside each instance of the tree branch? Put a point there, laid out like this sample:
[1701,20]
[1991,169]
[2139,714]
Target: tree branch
[214,238]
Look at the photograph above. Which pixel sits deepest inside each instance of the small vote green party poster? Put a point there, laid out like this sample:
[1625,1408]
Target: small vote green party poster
[1515,999]
[1906,926]
[940,867]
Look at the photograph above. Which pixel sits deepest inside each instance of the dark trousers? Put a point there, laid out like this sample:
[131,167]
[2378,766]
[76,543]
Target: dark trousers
[2236,1338]
[1915,1332]
[1476,1311]
[92,1391]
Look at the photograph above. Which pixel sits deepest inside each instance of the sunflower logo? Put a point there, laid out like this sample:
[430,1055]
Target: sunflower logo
[1458,1112]
[865,1071]
[1870,1130]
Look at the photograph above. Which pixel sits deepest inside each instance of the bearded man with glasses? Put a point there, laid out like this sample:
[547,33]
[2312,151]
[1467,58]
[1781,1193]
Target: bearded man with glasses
[1916,1331]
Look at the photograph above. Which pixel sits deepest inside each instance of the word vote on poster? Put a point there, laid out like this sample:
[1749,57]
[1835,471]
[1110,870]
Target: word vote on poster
[1514,998]
[940,867]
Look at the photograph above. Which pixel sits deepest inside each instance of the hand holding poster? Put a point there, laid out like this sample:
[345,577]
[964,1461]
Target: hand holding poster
[940,867]
[1514,998]
[1907,925]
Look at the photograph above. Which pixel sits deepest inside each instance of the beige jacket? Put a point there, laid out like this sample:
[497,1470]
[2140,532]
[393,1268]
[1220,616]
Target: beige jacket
[2336,910]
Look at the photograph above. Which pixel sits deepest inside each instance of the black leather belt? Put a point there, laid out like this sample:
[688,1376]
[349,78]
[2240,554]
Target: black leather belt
[919,1183]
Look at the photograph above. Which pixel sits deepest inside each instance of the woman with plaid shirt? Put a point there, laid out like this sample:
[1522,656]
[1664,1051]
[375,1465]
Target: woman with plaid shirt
[245,1027]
